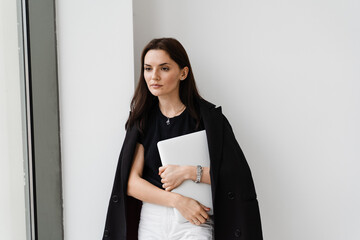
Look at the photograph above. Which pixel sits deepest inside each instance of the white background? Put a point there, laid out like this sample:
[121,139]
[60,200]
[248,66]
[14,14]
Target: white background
[95,49]
[287,76]
[285,72]
[12,195]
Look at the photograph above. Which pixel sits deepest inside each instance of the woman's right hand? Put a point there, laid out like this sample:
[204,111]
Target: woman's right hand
[192,210]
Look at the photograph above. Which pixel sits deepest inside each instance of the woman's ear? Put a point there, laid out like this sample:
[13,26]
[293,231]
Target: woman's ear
[184,73]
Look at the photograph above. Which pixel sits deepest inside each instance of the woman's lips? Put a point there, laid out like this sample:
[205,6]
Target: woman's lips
[156,86]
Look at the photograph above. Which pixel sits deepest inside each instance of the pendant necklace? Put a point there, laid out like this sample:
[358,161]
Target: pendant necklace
[168,119]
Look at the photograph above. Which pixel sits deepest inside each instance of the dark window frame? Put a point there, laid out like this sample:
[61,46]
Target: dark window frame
[37,33]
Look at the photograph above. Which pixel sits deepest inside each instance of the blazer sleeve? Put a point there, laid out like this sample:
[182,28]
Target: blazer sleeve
[235,154]
[237,214]
[123,211]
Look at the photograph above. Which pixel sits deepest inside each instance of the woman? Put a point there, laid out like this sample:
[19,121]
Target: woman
[167,104]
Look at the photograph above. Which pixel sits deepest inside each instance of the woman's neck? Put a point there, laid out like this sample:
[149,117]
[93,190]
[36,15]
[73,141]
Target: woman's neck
[171,107]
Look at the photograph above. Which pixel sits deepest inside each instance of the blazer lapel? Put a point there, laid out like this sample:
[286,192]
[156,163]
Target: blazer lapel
[213,123]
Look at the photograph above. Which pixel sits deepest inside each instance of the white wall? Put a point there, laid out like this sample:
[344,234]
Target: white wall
[12,194]
[287,75]
[95,49]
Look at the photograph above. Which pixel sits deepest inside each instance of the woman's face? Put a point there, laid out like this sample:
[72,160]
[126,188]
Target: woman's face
[162,74]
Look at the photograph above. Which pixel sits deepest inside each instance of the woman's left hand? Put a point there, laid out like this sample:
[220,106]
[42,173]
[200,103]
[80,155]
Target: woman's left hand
[172,176]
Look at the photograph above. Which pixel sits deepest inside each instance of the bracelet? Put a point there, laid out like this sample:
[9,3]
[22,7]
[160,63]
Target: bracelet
[199,171]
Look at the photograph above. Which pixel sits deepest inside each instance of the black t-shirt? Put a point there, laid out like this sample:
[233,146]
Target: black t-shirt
[157,129]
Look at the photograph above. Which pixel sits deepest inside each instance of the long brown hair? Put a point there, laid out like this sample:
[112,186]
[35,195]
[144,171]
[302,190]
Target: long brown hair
[143,101]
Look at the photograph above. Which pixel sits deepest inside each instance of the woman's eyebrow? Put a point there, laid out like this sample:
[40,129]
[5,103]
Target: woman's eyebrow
[162,64]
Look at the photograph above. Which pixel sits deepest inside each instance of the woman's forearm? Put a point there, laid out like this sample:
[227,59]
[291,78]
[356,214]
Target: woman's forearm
[141,189]
[189,208]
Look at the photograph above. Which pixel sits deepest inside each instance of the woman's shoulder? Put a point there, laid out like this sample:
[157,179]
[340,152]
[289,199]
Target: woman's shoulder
[206,104]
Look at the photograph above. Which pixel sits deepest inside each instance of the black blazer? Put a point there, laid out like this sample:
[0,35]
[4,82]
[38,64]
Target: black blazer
[236,210]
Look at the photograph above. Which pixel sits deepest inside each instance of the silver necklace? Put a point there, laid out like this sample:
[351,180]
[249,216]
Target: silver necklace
[168,119]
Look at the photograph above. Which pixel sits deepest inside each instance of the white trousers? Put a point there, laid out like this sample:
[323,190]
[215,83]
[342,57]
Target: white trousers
[159,223]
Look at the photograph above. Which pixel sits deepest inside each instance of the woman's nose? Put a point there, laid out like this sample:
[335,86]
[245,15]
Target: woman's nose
[155,75]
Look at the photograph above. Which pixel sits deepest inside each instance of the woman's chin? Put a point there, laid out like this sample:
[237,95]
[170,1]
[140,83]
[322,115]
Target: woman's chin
[155,93]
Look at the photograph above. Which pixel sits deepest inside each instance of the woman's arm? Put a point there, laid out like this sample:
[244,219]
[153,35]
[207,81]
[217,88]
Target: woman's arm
[143,190]
[173,176]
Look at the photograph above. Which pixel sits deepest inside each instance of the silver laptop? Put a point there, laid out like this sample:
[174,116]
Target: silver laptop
[190,149]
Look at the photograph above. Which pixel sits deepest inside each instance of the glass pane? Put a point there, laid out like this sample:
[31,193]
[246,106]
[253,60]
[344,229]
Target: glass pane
[15,198]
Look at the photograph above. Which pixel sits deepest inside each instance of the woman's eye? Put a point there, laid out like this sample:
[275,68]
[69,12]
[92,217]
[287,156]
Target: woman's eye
[165,69]
[147,69]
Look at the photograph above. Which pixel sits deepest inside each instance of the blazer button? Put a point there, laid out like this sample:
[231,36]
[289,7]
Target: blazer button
[231,195]
[237,233]
[115,198]
[106,233]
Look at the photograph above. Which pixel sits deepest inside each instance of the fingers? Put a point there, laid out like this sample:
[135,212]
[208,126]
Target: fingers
[201,216]
[204,214]
[167,187]
[205,208]
[162,169]
[162,174]
[198,220]
[195,222]
[192,210]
